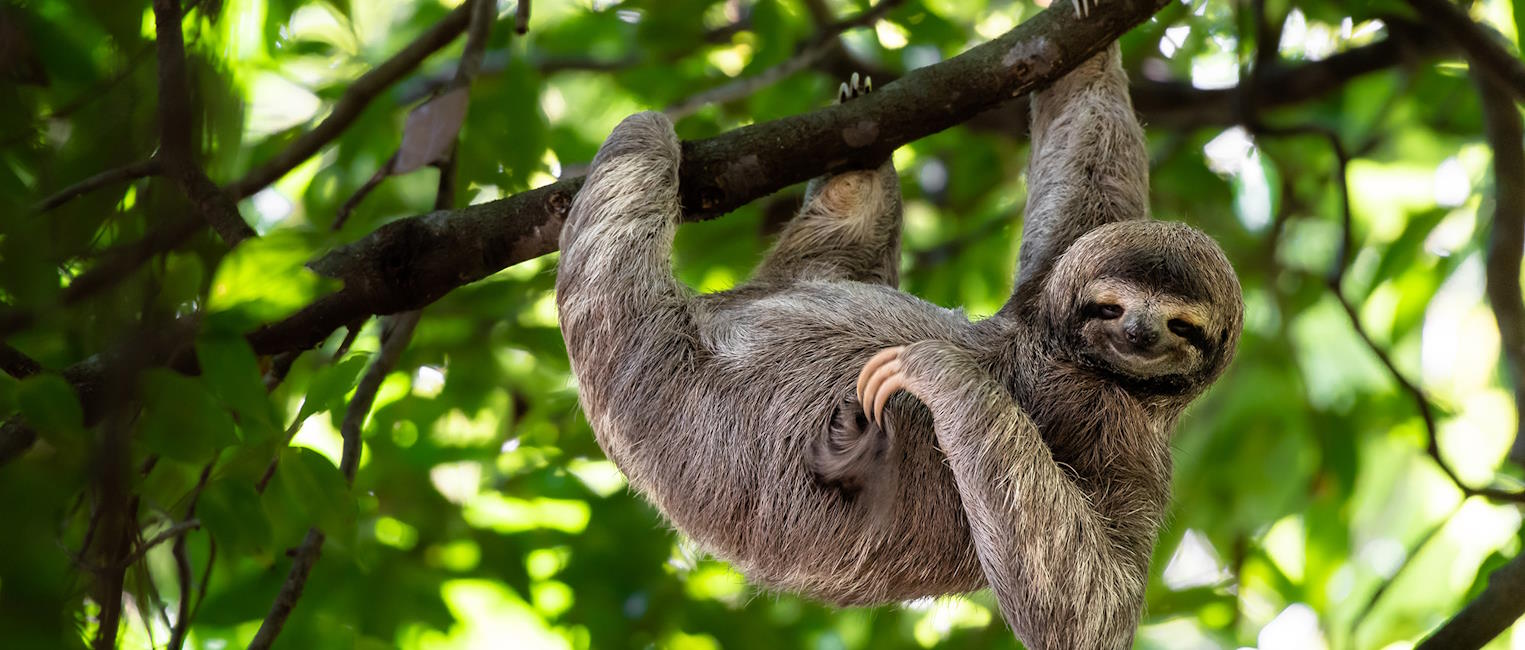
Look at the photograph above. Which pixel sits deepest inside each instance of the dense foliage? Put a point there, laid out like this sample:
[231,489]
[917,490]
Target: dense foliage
[1309,508]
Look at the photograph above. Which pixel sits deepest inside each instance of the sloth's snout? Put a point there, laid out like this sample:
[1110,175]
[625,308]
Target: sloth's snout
[1142,333]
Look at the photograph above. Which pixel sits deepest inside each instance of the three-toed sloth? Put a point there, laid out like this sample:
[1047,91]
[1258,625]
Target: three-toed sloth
[832,435]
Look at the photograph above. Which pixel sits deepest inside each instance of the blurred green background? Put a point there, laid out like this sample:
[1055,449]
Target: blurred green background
[1307,512]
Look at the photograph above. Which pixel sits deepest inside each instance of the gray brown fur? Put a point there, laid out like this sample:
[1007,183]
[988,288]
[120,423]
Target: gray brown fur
[1029,463]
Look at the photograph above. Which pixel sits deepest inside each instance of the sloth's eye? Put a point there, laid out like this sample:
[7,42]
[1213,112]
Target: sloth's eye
[1104,311]
[1184,329]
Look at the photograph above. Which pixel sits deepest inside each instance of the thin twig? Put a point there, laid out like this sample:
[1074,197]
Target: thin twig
[82,100]
[183,569]
[303,559]
[341,216]
[129,172]
[396,332]
[353,102]
[174,531]
[817,47]
[1335,282]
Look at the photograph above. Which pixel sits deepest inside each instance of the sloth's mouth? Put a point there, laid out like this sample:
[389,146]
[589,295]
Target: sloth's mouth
[1142,364]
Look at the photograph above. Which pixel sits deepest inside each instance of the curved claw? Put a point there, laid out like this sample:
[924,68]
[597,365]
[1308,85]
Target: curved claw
[1083,7]
[855,86]
[880,378]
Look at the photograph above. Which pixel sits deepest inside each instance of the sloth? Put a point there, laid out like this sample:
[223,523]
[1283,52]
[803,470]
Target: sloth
[831,435]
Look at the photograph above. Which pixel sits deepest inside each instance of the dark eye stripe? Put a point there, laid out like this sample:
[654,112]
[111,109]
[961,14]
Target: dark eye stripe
[1191,333]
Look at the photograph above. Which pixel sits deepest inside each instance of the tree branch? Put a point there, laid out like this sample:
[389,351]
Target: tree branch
[396,332]
[354,101]
[409,263]
[302,561]
[129,172]
[1487,616]
[1506,242]
[1335,281]
[16,363]
[176,146]
[1484,48]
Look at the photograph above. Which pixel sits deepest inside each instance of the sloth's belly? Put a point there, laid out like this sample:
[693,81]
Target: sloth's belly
[772,371]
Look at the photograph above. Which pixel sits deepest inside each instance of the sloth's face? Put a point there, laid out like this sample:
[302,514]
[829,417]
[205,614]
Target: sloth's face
[1152,305]
[1145,334]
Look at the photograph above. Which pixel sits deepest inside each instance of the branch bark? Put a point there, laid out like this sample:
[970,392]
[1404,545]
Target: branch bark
[1506,242]
[130,172]
[409,263]
[1487,616]
[176,145]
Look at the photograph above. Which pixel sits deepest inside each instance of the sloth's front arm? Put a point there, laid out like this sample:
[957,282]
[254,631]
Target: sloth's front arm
[1044,549]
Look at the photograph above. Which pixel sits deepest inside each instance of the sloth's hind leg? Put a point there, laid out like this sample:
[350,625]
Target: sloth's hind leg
[848,227]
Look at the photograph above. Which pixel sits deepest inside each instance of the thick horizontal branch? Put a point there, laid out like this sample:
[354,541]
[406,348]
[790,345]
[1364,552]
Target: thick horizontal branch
[1180,105]
[409,263]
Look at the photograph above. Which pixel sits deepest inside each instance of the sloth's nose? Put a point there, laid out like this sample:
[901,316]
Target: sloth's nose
[1141,332]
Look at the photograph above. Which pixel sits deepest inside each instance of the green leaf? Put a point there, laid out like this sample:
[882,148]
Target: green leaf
[181,419]
[306,491]
[230,370]
[244,279]
[49,405]
[331,384]
[232,512]
[180,283]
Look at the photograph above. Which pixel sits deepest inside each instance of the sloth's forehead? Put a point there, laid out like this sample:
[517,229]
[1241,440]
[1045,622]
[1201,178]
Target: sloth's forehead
[1161,269]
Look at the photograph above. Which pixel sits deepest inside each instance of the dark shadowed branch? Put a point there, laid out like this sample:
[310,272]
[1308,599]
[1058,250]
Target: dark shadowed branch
[1507,239]
[16,363]
[176,145]
[129,172]
[302,561]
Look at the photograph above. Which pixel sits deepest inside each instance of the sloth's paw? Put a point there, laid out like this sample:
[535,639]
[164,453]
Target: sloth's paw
[852,89]
[938,373]
[1083,7]
[880,378]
